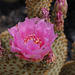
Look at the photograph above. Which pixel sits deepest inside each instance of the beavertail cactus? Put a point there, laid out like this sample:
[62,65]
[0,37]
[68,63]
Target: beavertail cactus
[33,47]
[34,7]
[68,68]
[15,65]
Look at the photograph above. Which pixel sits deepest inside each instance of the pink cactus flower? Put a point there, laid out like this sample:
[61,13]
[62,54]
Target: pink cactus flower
[62,6]
[45,14]
[32,39]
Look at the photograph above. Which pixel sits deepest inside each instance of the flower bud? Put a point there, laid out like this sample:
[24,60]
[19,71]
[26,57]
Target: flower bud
[59,22]
[62,6]
[45,14]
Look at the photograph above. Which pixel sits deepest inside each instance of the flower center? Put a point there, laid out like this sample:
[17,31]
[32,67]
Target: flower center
[32,37]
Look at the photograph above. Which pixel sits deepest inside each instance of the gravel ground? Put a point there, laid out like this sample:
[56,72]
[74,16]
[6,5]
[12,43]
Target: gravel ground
[11,14]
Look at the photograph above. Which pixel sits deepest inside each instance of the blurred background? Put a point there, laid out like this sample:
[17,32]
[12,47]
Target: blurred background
[14,11]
